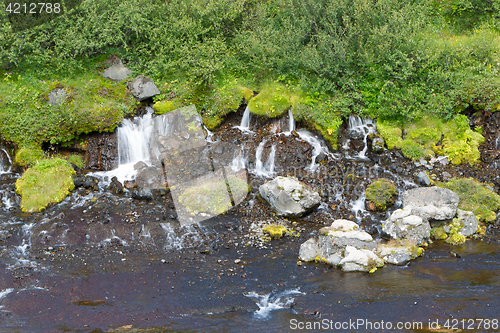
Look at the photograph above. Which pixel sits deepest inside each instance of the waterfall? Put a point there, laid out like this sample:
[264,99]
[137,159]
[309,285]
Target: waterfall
[239,162]
[497,143]
[267,169]
[245,121]
[291,121]
[133,139]
[364,127]
[5,161]
[318,148]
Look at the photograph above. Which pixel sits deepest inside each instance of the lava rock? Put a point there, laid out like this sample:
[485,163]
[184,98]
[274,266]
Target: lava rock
[86,182]
[115,186]
[143,88]
[289,197]
[422,179]
[142,194]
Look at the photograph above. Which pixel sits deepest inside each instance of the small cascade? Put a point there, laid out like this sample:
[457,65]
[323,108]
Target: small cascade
[239,162]
[358,208]
[497,143]
[5,161]
[291,121]
[361,127]
[133,139]
[245,121]
[318,147]
[264,169]
[273,301]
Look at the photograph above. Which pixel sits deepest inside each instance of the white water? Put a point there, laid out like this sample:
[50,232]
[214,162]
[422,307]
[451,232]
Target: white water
[5,168]
[318,147]
[133,139]
[264,169]
[4,293]
[239,162]
[273,301]
[365,126]
[245,121]
[291,121]
[358,207]
[497,143]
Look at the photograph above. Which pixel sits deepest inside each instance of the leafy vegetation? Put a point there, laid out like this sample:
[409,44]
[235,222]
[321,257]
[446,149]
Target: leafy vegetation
[381,193]
[403,61]
[475,197]
[49,181]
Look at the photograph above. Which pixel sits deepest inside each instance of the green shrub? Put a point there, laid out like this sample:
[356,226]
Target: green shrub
[381,193]
[49,181]
[475,197]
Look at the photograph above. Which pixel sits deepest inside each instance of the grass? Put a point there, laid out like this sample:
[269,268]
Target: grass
[381,193]
[273,100]
[475,197]
[49,181]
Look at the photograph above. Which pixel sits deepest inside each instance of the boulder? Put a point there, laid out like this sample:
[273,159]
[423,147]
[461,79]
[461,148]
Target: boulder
[403,225]
[142,194]
[115,186]
[88,182]
[57,96]
[378,145]
[309,250]
[422,179]
[397,254]
[431,203]
[289,197]
[469,222]
[143,88]
[101,151]
[117,71]
[150,177]
[360,260]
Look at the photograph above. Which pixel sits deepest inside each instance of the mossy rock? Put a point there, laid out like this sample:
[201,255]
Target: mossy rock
[275,231]
[272,101]
[381,193]
[162,107]
[49,181]
[476,197]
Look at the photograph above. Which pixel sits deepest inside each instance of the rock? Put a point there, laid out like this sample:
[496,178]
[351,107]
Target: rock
[431,203]
[101,151]
[289,197]
[117,71]
[142,194]
[397,254]
[422,179]
[129,184]
[143,88]
[321,158]
[86,182]
[402,225]
[140,165]
[378,145]
[309,250]
[360,260]
[469,222]
[150,177]
[115,186]
[342,233]
[57,96]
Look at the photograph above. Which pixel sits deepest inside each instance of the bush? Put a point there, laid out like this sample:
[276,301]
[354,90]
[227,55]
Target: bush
[475,197]
[381,193]
[49,181]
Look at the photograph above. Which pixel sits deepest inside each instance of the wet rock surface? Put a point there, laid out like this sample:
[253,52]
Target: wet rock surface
[101,151]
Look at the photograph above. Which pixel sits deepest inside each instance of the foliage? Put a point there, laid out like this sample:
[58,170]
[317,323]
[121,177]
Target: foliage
[381,193]
[272,101]
[28,155]
[475,197]
[49,181]
[391,132]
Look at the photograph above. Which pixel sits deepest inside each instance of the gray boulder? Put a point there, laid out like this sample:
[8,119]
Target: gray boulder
[431,203]
[142,194]
[422,179]
[343,233]
[289,197]
[309,250]
[397,254]
[57,96]
[117,71]
[143,88]
[403,225]
[378,145]
[360,260]
[150,177]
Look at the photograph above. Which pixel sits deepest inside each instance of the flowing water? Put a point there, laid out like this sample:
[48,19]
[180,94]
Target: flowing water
[102,262]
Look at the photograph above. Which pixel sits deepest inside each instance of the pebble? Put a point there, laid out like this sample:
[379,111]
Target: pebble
[237,261]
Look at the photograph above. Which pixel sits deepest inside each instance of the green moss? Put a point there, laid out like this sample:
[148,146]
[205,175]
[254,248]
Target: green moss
[212,195]
[461,143]
[438,233]
[412,150]
[165,106]
[455,237]
[381,193]
[272,101]
[275,231]
[50,181]
[28,155]
[76,160]
[391,133]
[475,197]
